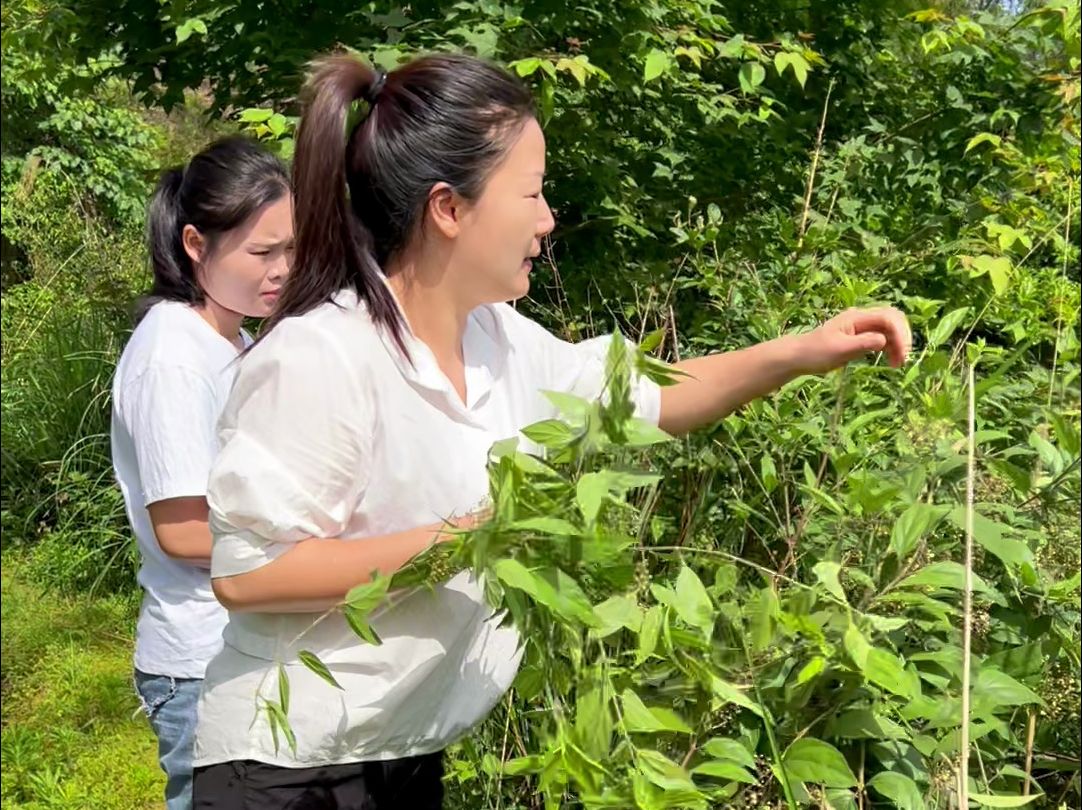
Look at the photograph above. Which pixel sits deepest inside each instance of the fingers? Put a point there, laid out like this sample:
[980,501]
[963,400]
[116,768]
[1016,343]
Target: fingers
[857,346]
[891,325]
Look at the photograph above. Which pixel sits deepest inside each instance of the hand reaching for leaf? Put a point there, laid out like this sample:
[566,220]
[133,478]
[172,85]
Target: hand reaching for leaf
[716,385]
[853,334]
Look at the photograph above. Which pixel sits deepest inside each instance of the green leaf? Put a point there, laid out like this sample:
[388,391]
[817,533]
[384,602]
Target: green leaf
[729,749]
[575,67]
[552,588]
[751,76]
[983,137]
[662,771]
[818,763]
[994,689]
[992,800]
[915,522]
[810,670]
[550,433]
[657,63]
[592,488]
[255,115]
[272,721]
[360,626]
[568,404]
[880,667]
[649,632]
[282,722]
[722,769]
[795,61]
[945,574]
[652,341]
[189,27]
[899,788]
[311,660]
[1066,589]
[546,525]
[946,327]
[865,724]
[991,535]
[638,718]
[641,433]
[764,614]
[726,692]
[590,491]
[827,574]
[526,67]
[692,602]
[283,689]
[768,473]
[277,124]
[998,268]
[366,596]
[886,624]
[618,611]
[593,720]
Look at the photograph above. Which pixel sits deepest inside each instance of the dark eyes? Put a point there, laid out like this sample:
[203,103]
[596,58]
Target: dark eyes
[288,249]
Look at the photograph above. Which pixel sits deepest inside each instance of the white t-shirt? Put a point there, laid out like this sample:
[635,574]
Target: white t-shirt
[171,383]
[331,432]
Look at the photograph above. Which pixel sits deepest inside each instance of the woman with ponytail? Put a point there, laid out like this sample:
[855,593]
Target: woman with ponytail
[220,236]
[359,427]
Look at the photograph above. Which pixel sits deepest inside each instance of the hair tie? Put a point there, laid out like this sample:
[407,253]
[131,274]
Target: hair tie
[376,88]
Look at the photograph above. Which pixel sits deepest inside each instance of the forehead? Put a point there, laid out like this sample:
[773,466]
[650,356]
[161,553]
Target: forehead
[526,154]
[273,221]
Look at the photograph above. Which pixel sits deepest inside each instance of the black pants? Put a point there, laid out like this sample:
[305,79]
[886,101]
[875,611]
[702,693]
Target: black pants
[407,784]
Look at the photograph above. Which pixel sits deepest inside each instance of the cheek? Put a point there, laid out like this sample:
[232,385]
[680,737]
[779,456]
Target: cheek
[236,280]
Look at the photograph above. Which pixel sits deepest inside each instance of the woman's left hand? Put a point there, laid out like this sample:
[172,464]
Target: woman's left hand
[851,335]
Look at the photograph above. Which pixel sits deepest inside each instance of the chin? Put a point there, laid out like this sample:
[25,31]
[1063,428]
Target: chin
[520,290]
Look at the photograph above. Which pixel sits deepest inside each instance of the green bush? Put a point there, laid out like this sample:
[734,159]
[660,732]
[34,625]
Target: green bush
[723,172]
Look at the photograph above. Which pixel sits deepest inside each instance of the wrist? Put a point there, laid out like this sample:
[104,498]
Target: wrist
[790,356]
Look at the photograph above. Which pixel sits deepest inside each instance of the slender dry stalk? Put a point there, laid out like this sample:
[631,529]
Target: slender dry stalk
[1059,303]
[814,167]
[967,600]
[1031,732]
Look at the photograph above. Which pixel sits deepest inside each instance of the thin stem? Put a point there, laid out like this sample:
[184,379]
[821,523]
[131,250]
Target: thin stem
[1059,302]
[967,598]
[1031,732]
[768,726]
[814,166]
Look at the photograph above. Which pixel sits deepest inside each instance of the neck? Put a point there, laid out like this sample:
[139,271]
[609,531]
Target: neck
[224,321]
[435,314]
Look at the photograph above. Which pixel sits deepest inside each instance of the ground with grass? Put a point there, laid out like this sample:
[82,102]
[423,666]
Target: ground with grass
[72,733]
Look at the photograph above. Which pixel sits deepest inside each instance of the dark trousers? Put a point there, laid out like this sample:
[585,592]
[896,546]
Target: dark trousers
[410,784]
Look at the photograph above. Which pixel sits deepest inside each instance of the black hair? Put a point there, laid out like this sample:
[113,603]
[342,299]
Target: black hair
[219,189]
[362,192]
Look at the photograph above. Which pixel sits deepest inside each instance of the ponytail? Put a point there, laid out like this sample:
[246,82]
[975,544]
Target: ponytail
[174,276]
[362,186]
[333,245]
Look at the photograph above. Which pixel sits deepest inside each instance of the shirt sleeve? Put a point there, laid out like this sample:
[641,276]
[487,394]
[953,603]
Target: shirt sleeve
[172,414]
[291,464]
[579,368]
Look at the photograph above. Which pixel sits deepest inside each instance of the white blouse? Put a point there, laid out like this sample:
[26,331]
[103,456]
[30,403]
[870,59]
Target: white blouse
[331,431]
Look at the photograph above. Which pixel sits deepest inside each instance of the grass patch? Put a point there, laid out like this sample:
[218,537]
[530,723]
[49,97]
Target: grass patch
[72,736]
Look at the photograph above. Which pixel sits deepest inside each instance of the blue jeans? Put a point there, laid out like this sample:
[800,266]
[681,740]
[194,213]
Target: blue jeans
[170,704]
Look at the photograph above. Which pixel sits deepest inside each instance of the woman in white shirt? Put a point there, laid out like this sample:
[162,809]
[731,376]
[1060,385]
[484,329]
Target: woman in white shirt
[219,231]
[359,429]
